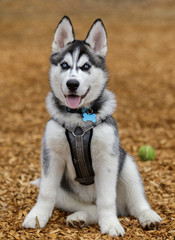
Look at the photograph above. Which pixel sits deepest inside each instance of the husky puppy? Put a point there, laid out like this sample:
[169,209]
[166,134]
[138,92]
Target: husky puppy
[84,169]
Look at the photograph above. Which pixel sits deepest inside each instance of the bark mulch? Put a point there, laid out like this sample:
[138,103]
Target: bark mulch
[141,63]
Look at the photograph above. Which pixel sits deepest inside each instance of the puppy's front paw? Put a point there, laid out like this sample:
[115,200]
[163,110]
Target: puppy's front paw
[36,218]
[111,226]
[149,219]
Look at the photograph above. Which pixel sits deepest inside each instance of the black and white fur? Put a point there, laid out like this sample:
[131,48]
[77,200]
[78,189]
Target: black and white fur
[118,188]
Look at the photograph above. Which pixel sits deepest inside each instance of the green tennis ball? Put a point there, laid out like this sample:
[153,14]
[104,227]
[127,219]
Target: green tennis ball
[146,153]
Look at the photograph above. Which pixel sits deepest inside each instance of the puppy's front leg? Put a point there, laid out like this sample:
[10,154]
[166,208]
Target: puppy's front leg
[106,168]
[52,171]
[105,181]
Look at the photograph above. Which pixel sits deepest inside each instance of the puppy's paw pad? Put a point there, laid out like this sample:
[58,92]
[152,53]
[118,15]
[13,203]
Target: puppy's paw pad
[149,219]
[77,219]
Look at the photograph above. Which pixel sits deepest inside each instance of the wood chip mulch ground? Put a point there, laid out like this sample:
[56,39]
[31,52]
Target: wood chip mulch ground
[141,63]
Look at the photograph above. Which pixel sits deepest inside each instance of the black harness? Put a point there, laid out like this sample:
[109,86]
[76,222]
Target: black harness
[79,139]
[79,142]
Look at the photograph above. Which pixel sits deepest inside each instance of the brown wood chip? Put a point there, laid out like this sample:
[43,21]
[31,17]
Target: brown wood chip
[37,223]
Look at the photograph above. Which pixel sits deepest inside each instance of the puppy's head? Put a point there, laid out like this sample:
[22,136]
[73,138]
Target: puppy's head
[77,74]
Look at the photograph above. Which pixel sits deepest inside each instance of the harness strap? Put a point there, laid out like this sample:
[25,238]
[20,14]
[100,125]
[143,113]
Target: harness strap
[81,156]
[84,129]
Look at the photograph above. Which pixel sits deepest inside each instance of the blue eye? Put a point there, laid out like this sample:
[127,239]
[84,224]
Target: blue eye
[85,67]
[64,66]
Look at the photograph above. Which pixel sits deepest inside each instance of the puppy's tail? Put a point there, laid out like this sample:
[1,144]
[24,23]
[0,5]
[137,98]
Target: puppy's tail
[36,182]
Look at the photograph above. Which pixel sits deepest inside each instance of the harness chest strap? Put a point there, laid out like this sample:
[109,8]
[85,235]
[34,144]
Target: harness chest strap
[79,139]
[81,156]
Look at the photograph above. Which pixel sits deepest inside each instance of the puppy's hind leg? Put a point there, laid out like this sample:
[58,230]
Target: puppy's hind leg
[136,202]
[83,214]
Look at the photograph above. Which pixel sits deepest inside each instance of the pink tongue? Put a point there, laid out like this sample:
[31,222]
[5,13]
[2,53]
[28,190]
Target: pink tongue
[73,101]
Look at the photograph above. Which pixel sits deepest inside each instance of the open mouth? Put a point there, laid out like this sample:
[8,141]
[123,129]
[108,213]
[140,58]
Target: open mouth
[73,101]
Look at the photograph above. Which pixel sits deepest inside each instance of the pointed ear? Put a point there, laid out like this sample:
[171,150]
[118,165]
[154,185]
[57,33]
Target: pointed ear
[97,38]
[64,34]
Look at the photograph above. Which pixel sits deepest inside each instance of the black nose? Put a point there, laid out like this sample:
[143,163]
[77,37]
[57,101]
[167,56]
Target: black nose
[72,84]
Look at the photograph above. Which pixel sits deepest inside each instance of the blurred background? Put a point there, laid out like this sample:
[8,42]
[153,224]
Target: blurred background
[140,61]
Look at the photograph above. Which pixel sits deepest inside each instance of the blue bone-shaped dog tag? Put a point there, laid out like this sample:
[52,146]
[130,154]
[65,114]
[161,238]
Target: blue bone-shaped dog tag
[89,117]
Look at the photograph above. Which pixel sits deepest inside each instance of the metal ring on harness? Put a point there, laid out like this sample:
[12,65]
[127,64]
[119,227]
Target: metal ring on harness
[77,134]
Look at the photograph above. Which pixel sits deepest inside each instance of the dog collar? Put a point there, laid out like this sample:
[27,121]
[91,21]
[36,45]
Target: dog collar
[78,110]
